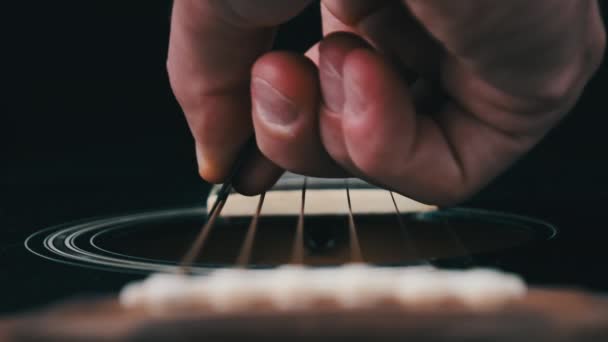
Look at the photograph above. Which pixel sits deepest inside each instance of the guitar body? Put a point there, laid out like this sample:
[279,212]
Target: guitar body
[410,234]
[543,315]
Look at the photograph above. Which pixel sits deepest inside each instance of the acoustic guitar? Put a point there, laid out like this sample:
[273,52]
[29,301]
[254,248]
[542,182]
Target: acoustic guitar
[391,231]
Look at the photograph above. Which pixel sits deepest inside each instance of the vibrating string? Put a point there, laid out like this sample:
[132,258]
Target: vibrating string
[199,242]
[297,250]
[247,247]
[297,256]
[406,236]
[355,248]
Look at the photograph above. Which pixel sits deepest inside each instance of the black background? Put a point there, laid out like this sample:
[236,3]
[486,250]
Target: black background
[89,127]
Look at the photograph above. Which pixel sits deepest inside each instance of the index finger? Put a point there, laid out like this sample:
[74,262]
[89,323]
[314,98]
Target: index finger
[212,47]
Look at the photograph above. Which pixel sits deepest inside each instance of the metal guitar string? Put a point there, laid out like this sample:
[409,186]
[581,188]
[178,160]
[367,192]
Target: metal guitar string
[200,240]
[297,256]
[464,250]
[216,209]
[355,248]
[404,231]
[246,248]
[298,242]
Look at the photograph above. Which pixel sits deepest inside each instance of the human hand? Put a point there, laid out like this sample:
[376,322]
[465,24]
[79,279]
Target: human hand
[429,98]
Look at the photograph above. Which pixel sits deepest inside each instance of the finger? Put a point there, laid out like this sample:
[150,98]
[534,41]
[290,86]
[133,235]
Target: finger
[212,47]
[258,174]
[540,52]
[345,15]
[345,23]
[332,51]
[437,160]
[285,114]
[388,26]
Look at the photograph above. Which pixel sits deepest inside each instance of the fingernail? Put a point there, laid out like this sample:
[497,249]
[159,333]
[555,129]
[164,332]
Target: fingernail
[332,88]
[272,105]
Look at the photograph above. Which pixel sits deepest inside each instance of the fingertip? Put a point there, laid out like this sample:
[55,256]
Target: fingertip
[210,170]
[257,175]
[339,41]
[284,88]
[286,96]
[373,89]
[378,117]
[365,75]
[279,67]
[333,50]
[365,91]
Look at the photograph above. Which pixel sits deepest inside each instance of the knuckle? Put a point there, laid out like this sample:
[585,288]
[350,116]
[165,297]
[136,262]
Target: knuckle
[249,14]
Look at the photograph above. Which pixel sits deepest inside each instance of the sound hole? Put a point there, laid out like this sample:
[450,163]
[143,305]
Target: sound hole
[433,237]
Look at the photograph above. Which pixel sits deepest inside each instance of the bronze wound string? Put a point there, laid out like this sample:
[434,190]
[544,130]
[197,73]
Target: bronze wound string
[246,248]
[466,259]
[199,242]
[298,250]
[407,238]
[222,197]
[355,248]
[298,243]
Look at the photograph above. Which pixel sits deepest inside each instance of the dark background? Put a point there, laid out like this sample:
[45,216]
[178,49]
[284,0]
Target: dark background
[89,127]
